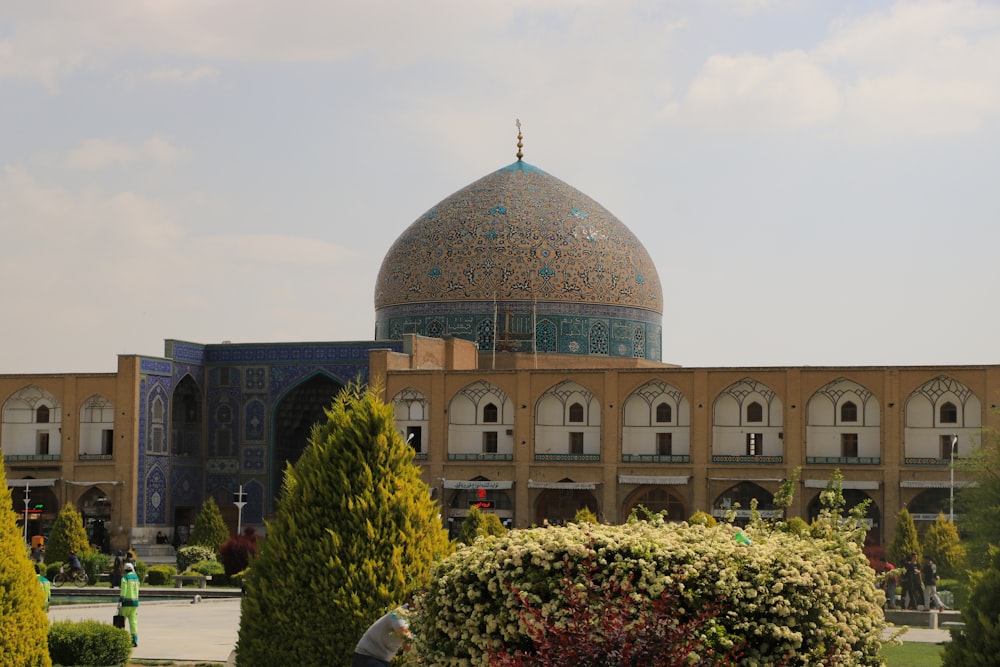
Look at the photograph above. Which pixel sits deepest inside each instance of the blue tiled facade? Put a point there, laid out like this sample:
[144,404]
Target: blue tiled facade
[239,387]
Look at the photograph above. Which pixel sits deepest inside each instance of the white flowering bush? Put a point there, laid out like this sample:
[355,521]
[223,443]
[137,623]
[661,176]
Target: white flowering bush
[786,598]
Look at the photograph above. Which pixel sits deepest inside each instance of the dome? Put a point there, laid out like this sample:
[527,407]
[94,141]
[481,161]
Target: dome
[514,251]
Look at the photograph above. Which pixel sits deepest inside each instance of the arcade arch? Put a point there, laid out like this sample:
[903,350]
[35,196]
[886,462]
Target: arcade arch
[294,415]
[480,424]
[568,424]
[32,424]
[843,424]
[935,412]
[656,424]
[655,499]
[747,424]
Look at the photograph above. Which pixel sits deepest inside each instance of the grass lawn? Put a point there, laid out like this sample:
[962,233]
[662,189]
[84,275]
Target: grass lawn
[913,654]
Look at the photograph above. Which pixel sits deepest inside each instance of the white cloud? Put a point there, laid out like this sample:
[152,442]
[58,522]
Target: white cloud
[275,248]
[184,76]
[99,153]
[787,90]
[923,68]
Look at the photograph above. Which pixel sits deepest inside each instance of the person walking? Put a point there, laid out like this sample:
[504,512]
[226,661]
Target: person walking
[913,587]
[128,601]
[382,640]
[891,575]
[930,577]
[46,585]
[118,569]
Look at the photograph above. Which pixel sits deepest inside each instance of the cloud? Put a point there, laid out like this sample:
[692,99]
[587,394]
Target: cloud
[99,153]
[275,248]
[184,76]
[921,68]
[788,90]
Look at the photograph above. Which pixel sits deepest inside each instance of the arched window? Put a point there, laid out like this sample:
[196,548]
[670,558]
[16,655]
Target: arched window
[490,413]
[849,412]
[576,413]
[663,413]
[42,414]
[755,412]
[949,413]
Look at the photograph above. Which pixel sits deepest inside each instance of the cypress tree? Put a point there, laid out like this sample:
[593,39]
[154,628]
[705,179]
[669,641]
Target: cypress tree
[67,534]
[355,531]
[904,541]
[978,643]
[24,625]
[209,528]
[477,524]
[942,545]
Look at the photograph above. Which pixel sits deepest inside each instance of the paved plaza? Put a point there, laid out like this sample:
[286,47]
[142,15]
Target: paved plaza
[172,630]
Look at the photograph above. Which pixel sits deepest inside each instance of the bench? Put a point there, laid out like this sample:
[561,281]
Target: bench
[202,579]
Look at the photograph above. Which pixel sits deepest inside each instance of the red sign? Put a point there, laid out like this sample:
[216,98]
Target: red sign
[482,504]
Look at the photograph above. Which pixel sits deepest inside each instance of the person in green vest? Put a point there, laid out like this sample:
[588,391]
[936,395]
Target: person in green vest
[46,587]
[128,601]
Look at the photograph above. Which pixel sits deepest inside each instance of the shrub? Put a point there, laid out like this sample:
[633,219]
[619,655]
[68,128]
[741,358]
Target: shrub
[477,524]
[94,563]
[160,575]
[702,519]
[605,624]
[141,570]
[89,643]
[23,622]
[978,643]
[238,579]
[188,556]
[209,528]
[67,534]
[51,570]
[788,599]
[238,550]
[212,569]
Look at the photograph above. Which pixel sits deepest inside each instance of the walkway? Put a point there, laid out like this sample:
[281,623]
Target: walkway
[181,631]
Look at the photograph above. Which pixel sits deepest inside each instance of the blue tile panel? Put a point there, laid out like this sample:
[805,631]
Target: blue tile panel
[588,329]
[240,385]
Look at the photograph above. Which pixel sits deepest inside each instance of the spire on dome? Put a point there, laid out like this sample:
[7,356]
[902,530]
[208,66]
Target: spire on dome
[519,137]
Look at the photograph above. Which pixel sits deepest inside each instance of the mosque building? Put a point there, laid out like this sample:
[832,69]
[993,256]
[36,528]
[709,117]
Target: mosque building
[518,335]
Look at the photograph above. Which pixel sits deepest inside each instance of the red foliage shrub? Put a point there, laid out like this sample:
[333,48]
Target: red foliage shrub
[237,551]
[606,624]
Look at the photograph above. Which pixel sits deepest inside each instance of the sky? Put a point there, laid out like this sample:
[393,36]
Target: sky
[816,181]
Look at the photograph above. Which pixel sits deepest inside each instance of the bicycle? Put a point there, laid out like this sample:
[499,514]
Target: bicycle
[79,577]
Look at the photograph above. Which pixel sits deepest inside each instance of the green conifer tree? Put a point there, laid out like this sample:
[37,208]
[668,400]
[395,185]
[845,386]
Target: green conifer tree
[355,531]
[978,643]
[942,545]
[67,534]
[904,541]
[24,626]
[585,515]
[477,524]
[209,528]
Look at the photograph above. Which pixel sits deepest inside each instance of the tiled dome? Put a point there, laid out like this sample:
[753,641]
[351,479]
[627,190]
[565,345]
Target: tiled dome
[524,240]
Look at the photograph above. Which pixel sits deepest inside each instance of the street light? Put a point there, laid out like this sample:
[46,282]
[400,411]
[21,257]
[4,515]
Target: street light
[27,500]
[240,500]
[951,486]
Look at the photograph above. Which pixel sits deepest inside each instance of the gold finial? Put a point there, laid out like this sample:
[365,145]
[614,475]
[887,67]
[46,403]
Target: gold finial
[519,137]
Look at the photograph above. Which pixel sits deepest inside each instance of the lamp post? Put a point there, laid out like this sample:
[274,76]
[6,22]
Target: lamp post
[951,485]
[27,500]
[240,500]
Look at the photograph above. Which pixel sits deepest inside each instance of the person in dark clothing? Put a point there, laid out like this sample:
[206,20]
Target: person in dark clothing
[913,586]
[930,577]
[117,570]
